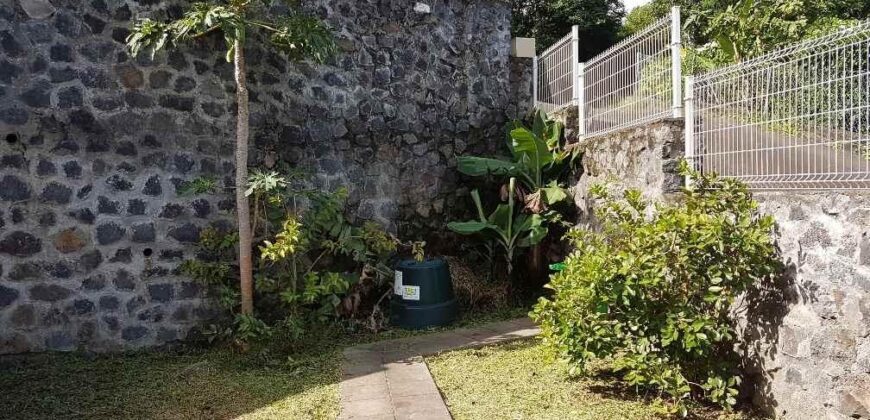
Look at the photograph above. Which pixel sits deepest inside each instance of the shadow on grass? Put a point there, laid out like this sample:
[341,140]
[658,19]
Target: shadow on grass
[209,384]
[295,380]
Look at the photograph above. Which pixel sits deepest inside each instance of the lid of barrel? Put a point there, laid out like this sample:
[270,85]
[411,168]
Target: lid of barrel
[426,264]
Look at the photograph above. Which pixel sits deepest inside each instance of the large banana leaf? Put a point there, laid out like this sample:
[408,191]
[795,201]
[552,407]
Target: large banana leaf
[475,196]
[503,225]
[469,228]
[501,217]
[539,124]
[547,130]
[553,193]
[509,140]
[533,152]
[481,166]
[533,231]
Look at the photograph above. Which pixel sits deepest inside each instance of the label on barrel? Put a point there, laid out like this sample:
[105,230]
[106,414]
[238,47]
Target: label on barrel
[411,293]
[397,283]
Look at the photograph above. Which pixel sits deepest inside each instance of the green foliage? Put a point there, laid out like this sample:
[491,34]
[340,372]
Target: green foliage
[721,32]
[301,37]
[296,35]
[198,186]
[549,20]
[314,265]
[286,242]
[538,159]
[243,330]
[651,294]
[268,183]
[213,266]
[541,161]
[749,28]
[508,228]
[638,19]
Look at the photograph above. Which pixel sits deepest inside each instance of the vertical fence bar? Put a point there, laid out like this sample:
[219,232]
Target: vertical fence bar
[535,83]
[575,59]
[689,122]
[577,79]
[580,82]
[677,61]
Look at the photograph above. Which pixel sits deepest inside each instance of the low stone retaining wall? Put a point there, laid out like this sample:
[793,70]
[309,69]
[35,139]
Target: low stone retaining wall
[806,339]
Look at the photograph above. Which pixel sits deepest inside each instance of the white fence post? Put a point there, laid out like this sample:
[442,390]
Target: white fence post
[577,74]
[575,58]
[580,82]
[677,61]
[535,83]
[689,122]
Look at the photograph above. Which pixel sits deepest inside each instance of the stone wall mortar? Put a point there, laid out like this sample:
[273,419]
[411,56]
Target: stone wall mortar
[95,147]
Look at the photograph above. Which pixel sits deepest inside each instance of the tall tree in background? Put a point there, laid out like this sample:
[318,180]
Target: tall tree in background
[550,20]
[742,29]
[639,18]
[291,32]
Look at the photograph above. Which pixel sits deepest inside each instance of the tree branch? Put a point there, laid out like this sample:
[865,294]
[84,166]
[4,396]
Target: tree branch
[205,32]
[260,24]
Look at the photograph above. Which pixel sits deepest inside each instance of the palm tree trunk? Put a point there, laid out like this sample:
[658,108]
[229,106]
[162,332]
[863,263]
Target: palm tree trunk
[244,212]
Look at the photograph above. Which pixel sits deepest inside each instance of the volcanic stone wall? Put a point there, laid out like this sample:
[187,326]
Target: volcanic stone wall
[805,338]
[97,148]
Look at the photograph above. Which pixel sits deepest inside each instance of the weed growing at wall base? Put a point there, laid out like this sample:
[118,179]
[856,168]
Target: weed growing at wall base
[651,294]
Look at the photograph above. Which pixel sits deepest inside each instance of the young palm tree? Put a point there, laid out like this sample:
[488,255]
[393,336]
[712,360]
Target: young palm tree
[295,34]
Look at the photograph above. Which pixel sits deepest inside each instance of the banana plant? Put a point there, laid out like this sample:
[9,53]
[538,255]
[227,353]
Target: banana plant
[538,158]
[507,227]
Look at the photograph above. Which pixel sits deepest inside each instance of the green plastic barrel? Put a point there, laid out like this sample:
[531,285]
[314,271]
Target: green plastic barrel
[422,295]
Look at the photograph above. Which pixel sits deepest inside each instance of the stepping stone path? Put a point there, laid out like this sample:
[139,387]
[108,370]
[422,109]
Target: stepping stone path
[390,380]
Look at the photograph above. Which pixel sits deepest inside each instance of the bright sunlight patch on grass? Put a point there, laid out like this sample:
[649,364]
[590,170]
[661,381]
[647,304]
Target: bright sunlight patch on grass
[519,381]
[214,385]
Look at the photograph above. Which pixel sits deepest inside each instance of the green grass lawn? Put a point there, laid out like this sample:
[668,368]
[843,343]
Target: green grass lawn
[299,381]
[213,384]
[518,381]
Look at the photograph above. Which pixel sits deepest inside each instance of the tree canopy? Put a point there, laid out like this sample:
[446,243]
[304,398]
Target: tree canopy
[740,29]
[295,34]
[550,20]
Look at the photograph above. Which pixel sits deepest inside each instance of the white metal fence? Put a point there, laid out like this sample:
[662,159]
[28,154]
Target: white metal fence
[635,81]
[798,118]
[554,73]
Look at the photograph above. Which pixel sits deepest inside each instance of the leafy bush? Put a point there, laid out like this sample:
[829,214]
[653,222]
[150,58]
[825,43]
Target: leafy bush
[539,160]
[506,227]
[651,293]
[314,265]
[213,265]
[533,175]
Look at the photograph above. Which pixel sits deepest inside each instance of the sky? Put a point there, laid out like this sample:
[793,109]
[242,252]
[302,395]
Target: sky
[631,4]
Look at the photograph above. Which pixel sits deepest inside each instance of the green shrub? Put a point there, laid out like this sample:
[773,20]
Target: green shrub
[650,291]
[313,265]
